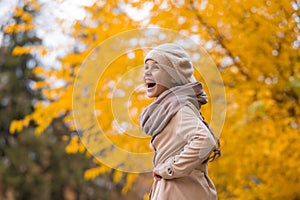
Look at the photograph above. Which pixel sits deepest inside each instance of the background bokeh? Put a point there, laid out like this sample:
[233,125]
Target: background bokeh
[43,48]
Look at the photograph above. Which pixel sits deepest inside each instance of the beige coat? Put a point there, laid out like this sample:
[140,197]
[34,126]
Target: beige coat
[180,150]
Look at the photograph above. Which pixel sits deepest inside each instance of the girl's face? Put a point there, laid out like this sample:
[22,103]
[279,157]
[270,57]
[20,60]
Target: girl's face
[157,80]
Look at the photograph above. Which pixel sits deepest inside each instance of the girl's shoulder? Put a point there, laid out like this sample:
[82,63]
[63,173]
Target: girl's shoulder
[190,110]
[188,123]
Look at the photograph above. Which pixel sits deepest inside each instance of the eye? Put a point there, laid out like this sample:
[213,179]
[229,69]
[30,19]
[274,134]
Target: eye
[146,67]
[156,67]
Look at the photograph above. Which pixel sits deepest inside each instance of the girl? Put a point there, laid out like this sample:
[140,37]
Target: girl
[181,139]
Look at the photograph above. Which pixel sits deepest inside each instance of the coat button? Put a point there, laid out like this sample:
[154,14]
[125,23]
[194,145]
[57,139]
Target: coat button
[170,171]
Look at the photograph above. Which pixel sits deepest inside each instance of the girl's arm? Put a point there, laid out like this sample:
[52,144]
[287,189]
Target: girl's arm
[199,145]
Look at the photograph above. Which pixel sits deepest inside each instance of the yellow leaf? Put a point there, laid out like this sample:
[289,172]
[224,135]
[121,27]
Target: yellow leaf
[18,50]
[129,180]
[26,17]
[18,12]
[117,176]
[15,126]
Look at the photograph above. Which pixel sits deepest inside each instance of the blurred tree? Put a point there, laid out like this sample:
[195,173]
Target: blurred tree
[256,47]
[34,167]
[38,168]
[59,98]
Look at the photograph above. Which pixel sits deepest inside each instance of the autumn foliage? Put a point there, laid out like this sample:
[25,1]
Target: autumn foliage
[254,44]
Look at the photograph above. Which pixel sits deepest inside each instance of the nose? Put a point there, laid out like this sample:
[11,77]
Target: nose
[147,71]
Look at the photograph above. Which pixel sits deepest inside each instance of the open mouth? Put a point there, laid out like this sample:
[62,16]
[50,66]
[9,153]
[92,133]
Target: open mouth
[150,85]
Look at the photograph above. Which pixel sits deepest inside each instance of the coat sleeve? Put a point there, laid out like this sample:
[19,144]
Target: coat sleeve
[199,144]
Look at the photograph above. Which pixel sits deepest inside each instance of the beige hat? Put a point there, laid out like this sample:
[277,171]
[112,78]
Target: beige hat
[175,60]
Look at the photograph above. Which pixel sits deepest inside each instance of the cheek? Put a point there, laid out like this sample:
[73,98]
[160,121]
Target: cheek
[163,79]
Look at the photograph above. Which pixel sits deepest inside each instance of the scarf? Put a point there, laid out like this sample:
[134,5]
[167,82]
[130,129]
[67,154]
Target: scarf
[157,115]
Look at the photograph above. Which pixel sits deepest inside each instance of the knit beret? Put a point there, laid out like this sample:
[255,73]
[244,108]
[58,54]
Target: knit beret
[175,60]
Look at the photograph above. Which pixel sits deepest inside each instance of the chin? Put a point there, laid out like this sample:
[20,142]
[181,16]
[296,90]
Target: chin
[151,96]
[155,93]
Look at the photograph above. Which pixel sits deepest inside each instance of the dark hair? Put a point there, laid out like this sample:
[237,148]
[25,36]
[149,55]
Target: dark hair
[216,152]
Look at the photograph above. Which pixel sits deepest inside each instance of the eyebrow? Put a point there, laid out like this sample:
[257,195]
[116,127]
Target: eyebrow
[151,64]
